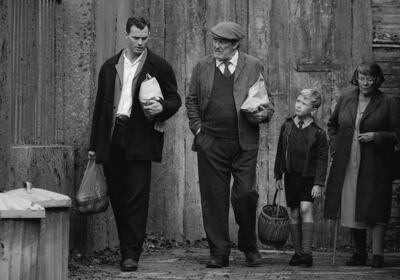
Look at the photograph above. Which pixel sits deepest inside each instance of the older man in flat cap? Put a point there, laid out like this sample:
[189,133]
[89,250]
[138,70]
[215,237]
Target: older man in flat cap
[226,142]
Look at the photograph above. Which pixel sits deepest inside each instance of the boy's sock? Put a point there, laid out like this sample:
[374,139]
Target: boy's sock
[360,240]
[307,234]
[295,232]
[378,234]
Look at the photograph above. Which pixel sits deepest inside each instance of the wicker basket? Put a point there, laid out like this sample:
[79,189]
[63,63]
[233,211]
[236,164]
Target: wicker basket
[273,224]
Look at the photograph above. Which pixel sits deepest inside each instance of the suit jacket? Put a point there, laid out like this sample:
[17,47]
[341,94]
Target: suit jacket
[246,74]
[374,183]
[316,160]
[145,143]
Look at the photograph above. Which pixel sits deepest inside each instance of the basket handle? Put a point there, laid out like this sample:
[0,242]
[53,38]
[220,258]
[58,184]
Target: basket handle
[277,195]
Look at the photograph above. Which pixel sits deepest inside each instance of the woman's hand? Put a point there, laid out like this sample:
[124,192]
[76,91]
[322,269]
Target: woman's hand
[278,184]
[366,137]
[91,155]
[316,191]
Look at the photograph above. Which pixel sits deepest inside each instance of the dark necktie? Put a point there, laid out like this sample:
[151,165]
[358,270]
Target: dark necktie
[227,73]
[301,123]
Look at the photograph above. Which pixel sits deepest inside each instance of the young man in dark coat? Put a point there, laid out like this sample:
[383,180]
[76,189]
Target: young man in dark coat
[226,141]
[123,136]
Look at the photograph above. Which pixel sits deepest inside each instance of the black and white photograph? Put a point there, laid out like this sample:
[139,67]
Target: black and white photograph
[199,139]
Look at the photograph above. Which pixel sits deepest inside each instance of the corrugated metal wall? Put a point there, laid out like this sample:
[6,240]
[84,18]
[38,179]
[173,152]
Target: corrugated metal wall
[33,71]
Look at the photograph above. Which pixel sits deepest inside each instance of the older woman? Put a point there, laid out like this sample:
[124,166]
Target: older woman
[363,129]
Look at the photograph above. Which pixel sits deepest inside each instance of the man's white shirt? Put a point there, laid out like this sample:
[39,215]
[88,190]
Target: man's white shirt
[125,102]
[232,63]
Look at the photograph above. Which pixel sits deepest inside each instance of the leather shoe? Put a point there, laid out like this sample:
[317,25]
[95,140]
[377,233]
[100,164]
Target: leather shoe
[253,258]
[377,261]
[218,262]
[129,264]
[295,260]
[306,259]
[357,259]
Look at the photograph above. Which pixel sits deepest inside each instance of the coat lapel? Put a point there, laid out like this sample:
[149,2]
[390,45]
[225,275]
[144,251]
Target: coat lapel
[353,103]
[118,80]
[239,66]
[372,105]
[139,75]
[208,80]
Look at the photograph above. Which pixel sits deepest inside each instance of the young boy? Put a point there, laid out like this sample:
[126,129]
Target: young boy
[302,156]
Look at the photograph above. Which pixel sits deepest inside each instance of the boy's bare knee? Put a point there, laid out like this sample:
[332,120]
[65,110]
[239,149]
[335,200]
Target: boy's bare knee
[306,210]
[294,215]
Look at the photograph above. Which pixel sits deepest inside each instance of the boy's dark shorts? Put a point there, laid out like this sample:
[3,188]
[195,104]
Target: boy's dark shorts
[297,188]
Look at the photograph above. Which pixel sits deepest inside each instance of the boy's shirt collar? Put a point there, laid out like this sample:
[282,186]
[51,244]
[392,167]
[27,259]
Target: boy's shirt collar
[306,123]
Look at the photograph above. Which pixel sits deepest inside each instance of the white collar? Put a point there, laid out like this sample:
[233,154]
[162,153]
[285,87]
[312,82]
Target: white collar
[128,62]
[233,60]
[307,122]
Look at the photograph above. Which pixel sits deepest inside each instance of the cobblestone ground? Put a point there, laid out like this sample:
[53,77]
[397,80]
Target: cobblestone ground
[178,263]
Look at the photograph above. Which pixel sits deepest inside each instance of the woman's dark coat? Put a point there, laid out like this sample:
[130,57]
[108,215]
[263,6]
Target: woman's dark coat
[374,184]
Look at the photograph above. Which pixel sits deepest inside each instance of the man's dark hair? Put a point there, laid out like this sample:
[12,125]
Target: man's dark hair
[139,22]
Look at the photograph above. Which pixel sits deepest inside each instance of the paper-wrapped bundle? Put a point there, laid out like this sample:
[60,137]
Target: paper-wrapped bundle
[256,98]
[150,90]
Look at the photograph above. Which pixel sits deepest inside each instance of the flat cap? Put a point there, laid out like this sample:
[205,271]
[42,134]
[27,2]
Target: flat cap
[227,30]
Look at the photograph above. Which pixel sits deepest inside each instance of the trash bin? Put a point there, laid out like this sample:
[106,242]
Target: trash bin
[20,223]
[54,235]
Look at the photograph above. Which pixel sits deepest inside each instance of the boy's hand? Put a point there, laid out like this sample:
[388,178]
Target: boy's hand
[278,184]
[316,191]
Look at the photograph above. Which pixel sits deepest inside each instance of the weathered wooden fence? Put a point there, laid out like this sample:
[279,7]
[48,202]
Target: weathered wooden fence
[302,43]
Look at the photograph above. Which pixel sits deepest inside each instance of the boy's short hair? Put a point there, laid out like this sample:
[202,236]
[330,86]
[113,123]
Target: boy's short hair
[313,95]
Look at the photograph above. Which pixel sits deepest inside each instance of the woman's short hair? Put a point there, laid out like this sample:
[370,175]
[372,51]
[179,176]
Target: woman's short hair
[313,95]
[371,69]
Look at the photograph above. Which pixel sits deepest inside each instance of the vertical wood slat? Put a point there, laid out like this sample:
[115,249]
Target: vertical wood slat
[362,32]
[172,177]
[342,56]
[59,74]
[258,33]
[195,48]
[278,74]
[53,245]
[100,229]
[6,69]
[19,239]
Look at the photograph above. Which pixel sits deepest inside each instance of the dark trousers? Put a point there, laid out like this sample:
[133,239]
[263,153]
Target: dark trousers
[129,188]
[218,159]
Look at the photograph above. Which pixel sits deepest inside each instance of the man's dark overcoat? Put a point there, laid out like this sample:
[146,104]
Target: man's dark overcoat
[145,143]
[374,184]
